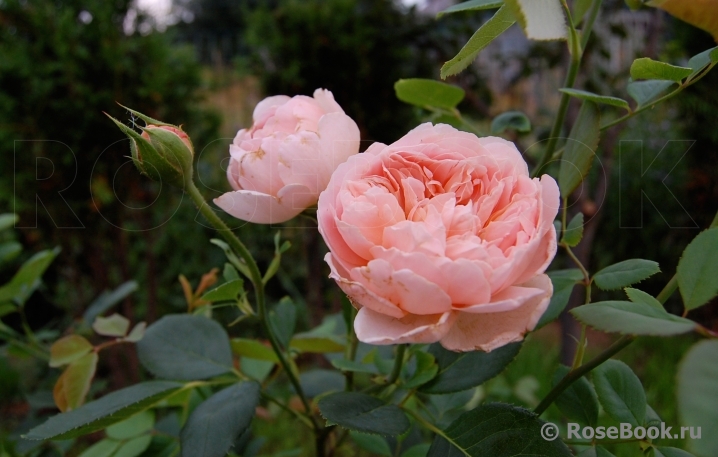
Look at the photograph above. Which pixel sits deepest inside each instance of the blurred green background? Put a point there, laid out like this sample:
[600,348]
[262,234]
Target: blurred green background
[206,63]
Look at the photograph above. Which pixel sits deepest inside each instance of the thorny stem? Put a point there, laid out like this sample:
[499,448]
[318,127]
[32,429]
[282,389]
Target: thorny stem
[256,278]
[615,348]
[398,363]
[577,373]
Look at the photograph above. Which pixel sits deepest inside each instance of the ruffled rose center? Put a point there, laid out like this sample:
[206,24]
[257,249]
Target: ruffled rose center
[446,205]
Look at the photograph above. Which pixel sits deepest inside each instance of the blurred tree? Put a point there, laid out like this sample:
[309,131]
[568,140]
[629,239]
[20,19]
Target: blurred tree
[64,163]
[357,49]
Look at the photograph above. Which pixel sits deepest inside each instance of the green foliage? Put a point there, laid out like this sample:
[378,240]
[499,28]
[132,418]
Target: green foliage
[27,279]
[108,299]
[574,231]
[620,392]
[428,93]
[375,444]
[697,270]
[563,282]
[625,273]
[216,423]
[514,120]
[645,68]
[114,325]
[99,414]
[579,402]
[472,5]
[644,92]
[697,395]
[426,370]
[461,371]
[225,292]
[363,413]
[68,349]
[283,319]
[498,24]
[604,99]
[580,149]
[185,347]
[498,430]
[632,319]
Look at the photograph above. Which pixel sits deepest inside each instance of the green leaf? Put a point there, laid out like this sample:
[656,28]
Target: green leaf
[579,402]
[256,369]
[226,292]
[697,395]
[350,365]
[114,325]
[590,96]
[253,349]
[463,370]
[510,120]
[563,282]
[283,319]
[9,251]
[8,220]
[232,257]
[540,19]
[230,273]
[134,447]
[27,279]
[574,231]
[74,383]
[639,296]
[132,426]
[498,24]
[318,345]
[107,300]
[700,61]
[597,451]
[498,430]
[645,68]
[363,413]
[580,149]
[68,349]
[580,8]
[162,446]
[625,273]
[644,92]
[216,423]
[428,93]
[697,270]
[185,347]
[472,5]
[103,448]
[137,333]
[670,452]
[418,450]
[108,410]
[426,370]
[620,392]
[632,319]
[372,443]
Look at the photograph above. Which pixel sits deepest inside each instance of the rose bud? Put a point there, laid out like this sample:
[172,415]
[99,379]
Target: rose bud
[441,236]
[163,152]
[279,166]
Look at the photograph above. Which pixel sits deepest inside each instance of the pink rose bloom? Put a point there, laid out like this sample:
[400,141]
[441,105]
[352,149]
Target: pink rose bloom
[279,166]
[441,236]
